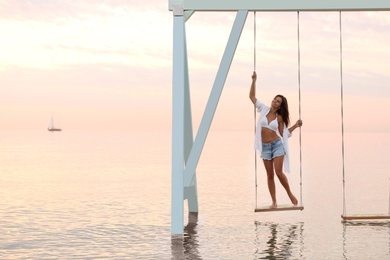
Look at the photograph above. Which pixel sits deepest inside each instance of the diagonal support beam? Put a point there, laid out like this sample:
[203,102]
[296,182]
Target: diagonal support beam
[214,97]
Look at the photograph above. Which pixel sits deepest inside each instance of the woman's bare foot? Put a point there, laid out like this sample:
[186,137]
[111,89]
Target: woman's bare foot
[273,205]
[294,200]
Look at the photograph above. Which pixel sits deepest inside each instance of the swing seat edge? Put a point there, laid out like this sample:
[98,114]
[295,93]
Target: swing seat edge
[279,208]
[365,216]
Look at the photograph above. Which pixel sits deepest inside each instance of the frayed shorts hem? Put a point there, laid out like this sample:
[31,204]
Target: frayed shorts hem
[271,150]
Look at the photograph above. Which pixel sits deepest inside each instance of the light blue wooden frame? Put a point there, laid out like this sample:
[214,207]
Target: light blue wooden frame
[185,151]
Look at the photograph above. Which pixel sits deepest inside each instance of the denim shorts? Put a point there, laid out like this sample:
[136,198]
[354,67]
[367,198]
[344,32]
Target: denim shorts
[272,150]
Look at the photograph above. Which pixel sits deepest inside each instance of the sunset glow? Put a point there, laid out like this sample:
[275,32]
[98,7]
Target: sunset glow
[109,63]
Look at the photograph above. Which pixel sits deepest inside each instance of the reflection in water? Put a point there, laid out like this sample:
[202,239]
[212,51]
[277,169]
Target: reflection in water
[278,241]
[371,226]
[186,246]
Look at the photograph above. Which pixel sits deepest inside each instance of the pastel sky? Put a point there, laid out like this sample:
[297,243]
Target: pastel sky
[108,65]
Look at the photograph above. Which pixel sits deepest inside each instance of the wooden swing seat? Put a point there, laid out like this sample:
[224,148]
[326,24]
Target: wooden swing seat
[279,208]
[365,217]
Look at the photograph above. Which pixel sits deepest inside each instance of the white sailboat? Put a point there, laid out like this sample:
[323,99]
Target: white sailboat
[51,126]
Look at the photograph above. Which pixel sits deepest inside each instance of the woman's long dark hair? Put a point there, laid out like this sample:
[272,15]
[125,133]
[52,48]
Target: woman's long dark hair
[283,110]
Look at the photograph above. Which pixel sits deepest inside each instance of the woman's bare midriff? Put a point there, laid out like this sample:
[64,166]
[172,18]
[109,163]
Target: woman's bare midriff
[268,135]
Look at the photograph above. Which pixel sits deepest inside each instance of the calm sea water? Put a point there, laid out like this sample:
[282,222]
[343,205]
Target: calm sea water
[106,195]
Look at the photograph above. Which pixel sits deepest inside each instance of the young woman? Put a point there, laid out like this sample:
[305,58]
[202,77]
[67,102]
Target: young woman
[271,140]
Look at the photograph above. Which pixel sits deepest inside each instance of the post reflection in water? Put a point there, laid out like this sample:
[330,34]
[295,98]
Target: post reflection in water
[371,230]
[278,241]
[186,246]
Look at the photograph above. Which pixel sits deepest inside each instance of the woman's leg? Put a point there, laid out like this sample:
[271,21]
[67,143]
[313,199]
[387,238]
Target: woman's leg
[269,168]
[278,164]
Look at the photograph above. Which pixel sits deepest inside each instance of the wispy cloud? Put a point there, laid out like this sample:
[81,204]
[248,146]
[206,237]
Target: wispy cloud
[115,54]
[49,34]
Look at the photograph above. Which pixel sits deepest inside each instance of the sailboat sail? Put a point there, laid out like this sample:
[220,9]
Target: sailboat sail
[51,126]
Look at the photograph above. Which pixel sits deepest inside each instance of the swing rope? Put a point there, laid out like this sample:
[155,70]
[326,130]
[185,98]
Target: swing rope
[300,111]
[342,112]
[254,107]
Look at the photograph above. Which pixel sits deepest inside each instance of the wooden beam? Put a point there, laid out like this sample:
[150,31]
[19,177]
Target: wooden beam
[281,5]
[279,208]
[365,217]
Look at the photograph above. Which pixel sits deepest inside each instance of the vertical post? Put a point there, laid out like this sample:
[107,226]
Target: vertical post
[190,192]
[177,206]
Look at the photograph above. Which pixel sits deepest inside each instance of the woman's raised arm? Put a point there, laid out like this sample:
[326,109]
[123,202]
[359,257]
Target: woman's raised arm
[252,91]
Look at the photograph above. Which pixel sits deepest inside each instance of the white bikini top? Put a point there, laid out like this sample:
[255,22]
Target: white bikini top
[273,125]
